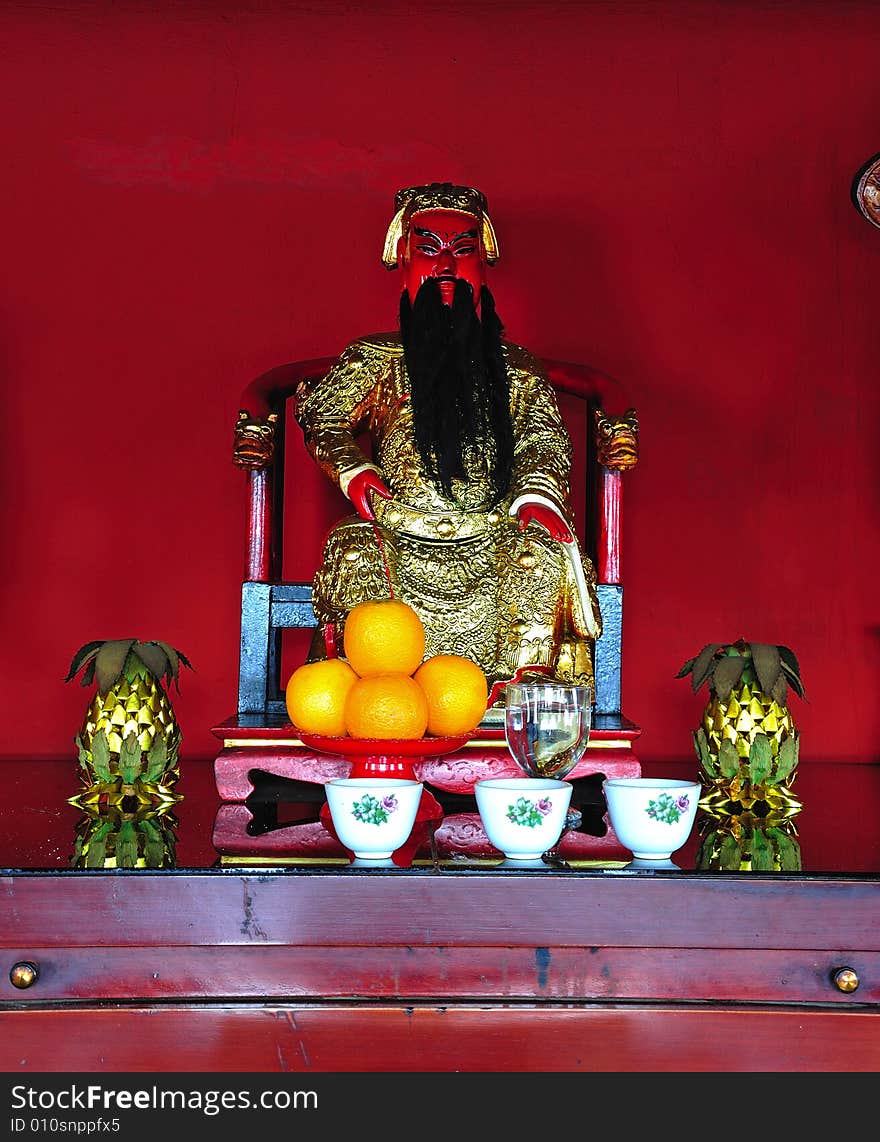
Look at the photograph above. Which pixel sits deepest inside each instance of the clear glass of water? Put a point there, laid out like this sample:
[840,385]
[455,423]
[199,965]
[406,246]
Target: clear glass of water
[547,726]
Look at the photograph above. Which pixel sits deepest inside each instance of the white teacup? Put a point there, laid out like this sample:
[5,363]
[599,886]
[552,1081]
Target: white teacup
[523,817]
[651,816]
[373,816]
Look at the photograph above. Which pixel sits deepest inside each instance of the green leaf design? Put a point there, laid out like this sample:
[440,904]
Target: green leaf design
[82,752]
[779,690]
[172,669]
[728,759]
[760,758]
[176,659]
[154,846]
[107,657]
[703,664]
[153,657]
[687,668]
[157,758]
[110,660]
[787,758]
[730,853]
[789,660]
[97,850]
[154,853]
[701,745]
[794,679]
[130,758]
[788,848]
[96,854]
[83,655]
[704,852]
[101,755]
[767,664]
[728,672]
[762,854]
[127,845]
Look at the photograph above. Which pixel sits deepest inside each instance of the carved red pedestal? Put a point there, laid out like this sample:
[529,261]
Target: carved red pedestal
[279,751]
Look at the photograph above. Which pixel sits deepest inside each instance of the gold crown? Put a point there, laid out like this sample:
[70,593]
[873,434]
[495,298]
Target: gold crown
[412,200]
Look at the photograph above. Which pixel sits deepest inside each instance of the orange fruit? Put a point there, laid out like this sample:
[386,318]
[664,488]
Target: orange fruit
[315,696]
[391,705]
[383,636]
[457,692]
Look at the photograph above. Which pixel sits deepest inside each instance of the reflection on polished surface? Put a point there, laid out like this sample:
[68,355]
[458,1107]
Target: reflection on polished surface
[125,834]
[745,843]
[837,832]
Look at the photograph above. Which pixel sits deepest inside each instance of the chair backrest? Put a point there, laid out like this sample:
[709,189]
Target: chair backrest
[271,605]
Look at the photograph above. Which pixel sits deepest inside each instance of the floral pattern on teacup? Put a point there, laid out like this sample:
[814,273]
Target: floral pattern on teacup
[529,813]
[372,811]
[667,810]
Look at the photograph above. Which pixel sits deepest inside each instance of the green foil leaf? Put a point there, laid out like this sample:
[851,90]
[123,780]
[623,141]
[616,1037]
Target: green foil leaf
[154,847]
[787,758]
[703,664]
[788,848]
[792,668]
[157,758]
[767,664]
[728,759]
[82,752]
[153,657]
[130,758]
[730,853]
[762,853]
[96,852]
[110,660]
[83,655]
[704,754]
[760,758]
[728,672]
[779,690]
[101,755]
[127,845]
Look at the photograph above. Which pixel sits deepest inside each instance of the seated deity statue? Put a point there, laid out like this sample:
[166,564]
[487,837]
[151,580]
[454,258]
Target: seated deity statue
[462,506]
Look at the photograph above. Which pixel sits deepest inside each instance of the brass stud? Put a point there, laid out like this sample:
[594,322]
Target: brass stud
[845,979]
[24,974]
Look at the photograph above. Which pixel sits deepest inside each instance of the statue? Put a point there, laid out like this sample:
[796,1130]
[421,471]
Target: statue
[463,507]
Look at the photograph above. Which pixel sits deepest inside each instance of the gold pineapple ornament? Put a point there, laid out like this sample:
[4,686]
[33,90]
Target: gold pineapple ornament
[747,744]
[130,739]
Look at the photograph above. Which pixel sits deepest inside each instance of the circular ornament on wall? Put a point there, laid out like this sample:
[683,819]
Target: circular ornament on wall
[866,190]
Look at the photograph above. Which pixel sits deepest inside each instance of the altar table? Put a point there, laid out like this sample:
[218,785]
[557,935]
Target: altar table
[292,959]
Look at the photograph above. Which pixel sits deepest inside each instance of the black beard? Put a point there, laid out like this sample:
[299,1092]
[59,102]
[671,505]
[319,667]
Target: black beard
[458,377]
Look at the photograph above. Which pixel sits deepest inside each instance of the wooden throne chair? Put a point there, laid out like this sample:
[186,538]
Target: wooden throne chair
[258,740]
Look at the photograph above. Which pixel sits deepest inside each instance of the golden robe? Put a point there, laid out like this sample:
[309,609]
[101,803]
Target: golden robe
[516,602]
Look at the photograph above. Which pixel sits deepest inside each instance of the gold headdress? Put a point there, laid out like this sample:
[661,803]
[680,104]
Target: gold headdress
[438,196]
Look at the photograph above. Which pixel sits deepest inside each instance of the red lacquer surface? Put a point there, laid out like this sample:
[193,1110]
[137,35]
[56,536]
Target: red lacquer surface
[451,963]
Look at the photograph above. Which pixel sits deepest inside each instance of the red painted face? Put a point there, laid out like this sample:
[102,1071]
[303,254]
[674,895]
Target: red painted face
[442,244]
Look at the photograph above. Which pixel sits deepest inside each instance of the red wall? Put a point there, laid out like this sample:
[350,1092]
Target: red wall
[194,193]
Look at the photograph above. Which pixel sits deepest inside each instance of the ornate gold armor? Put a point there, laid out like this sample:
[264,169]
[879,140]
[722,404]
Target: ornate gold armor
[514,601]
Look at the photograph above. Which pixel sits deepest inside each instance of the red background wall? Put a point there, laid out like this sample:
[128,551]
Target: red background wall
[194,193]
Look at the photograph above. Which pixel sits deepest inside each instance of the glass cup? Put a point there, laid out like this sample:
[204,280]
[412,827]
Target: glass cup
[547,726]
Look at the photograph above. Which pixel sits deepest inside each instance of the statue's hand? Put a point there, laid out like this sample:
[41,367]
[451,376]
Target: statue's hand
[360,488]
[547,518]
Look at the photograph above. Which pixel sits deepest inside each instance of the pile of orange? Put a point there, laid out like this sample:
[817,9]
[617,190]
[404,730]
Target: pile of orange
[382,689]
